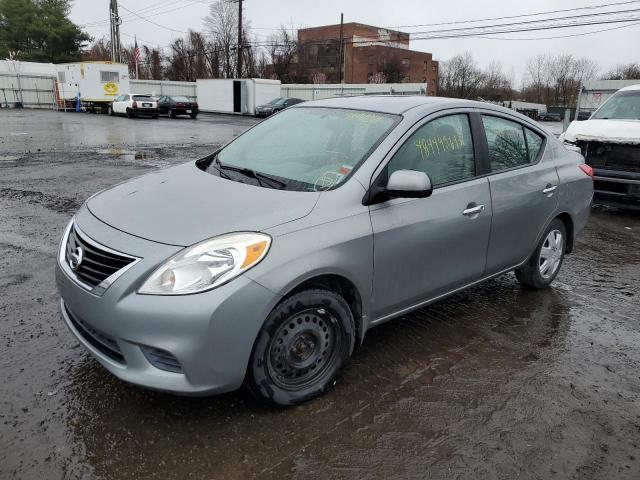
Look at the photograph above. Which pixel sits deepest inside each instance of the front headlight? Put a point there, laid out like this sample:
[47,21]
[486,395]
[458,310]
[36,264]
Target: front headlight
[207,264]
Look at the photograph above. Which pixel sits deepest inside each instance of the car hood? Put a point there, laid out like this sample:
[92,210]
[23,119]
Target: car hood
[184,205]
[610,131]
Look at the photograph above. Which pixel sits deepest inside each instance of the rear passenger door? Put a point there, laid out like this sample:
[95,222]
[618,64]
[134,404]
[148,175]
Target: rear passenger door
[524,189]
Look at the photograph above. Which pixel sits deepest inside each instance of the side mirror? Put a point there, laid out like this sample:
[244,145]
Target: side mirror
[409,184]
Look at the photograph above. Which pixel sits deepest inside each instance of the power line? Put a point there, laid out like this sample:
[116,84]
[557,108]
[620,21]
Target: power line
[152,22]
[563,36]
[530,22]
[516,16]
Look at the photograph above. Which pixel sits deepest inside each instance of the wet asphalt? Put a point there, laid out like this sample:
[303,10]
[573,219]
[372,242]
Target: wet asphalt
[496,382]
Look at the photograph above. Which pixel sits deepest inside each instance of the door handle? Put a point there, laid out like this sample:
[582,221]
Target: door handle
[471,211]
[549,189]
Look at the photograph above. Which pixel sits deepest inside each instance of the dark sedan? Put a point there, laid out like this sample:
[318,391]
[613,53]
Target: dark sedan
[177,105]
[276,105]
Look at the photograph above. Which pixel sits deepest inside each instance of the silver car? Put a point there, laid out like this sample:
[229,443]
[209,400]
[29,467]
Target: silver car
[266,263]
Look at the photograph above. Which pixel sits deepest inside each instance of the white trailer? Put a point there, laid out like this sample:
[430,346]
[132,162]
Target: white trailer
[97,83]
[235,96]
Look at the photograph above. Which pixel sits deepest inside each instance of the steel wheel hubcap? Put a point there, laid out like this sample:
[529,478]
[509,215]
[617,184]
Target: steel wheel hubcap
[551,254]
[303,349]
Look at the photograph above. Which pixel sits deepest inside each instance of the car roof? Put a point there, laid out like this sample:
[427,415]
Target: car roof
[630,87]
[398,104]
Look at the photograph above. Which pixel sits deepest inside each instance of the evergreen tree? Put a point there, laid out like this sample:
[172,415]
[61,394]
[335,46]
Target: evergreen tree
[39,31]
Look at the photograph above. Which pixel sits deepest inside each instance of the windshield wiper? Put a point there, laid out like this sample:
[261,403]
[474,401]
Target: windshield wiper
[260,177]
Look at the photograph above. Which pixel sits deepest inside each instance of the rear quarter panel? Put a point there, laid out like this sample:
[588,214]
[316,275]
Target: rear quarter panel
[576,188]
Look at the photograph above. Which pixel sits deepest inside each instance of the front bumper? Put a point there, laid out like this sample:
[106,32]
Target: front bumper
[617,188]
[210,334]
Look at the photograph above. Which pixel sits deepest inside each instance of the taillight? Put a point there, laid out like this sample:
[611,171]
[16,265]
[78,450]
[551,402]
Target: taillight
[586,169]
[135,104]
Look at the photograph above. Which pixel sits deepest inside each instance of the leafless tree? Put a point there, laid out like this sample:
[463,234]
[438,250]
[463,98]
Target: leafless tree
[99,50]
[222,26]
[460,77]
[282,51]
[538,76]
[496,85]
[555,79]
[629,71]
[188,58]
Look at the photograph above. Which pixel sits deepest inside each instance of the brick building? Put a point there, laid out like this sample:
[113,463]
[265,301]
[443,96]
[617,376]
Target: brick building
[368,52]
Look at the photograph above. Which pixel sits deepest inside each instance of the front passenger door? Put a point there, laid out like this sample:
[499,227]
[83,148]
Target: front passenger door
[426,247]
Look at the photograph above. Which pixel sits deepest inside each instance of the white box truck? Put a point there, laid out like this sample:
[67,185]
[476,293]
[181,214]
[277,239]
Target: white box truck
[97,84]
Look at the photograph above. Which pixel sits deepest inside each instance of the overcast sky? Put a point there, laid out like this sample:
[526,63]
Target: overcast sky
[607,48]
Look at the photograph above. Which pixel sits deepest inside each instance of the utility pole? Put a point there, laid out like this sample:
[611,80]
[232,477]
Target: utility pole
[240,47]
[341,46]
[115,22]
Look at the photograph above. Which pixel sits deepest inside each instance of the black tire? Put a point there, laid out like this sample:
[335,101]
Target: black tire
[194,115]
[301,347]
[155,116]
[172,114]
[110,109]
[531,274]
[130,114]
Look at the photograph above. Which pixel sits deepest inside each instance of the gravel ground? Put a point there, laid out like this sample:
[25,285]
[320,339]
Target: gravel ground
[493,383]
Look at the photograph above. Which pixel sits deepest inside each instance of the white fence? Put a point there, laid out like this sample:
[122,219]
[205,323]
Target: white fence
[318,92]
[164,87]
[31,91]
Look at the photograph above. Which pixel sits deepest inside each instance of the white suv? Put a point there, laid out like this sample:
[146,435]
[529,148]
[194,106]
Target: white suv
[132,105]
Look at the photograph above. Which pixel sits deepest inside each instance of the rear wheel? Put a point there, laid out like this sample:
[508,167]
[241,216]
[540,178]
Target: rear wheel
[302,346]
[130,114]
[172,114]
[544,265]
[194,115]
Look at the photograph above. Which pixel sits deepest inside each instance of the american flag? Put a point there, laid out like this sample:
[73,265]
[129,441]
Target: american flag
[136,52]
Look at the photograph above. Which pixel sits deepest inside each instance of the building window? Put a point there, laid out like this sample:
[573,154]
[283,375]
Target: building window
[109,77]
[406,63]
[61,77]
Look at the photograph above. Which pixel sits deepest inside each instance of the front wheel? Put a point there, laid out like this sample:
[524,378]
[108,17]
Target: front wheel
[110,109]
[194,116]
[302,346]
[544,265]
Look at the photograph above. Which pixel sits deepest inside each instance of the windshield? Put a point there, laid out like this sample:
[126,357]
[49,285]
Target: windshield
[274,101]
[308,149]
[621,106]
[180,99]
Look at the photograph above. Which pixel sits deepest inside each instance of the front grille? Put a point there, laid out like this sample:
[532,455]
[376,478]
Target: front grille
[611,156]
[99,340]
[97,263]
[162,359]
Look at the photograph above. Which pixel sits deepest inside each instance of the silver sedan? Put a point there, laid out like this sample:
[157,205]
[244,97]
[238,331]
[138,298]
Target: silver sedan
[268,261]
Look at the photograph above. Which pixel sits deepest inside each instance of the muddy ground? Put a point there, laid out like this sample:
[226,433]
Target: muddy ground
[494,383]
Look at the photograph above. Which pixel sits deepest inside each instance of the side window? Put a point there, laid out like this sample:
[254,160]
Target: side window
[534,144]
[108,77]
[507,146]
[442,148]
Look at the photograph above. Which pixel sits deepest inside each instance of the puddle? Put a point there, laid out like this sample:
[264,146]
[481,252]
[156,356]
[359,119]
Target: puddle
[142,157]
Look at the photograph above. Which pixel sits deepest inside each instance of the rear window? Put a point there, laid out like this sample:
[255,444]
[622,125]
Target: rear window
[180,99]
[142,98]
